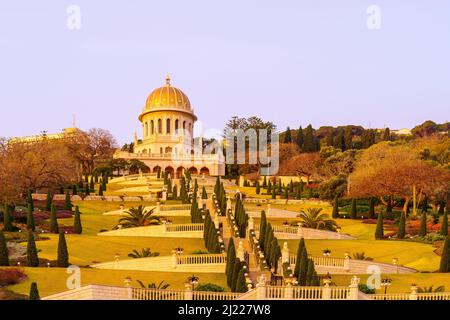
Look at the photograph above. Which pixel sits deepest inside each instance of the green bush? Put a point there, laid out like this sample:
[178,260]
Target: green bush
[211,287]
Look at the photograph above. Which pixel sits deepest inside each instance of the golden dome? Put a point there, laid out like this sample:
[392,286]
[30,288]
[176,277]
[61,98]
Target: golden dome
[167,97]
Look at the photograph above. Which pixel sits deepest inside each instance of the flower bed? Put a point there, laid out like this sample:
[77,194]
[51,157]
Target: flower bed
[11,276]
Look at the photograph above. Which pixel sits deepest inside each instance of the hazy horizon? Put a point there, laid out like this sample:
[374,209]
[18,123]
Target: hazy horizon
[289,62]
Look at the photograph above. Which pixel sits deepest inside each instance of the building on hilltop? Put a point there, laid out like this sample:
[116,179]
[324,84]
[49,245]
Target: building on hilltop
[167,142]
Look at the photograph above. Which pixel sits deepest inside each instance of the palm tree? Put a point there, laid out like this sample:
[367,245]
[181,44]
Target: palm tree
[153,285]
[361,256]
[137,217]
[313,218]
[144,253]
[430,289]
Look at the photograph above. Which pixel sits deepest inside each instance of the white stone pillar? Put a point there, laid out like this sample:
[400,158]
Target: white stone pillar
[285,253]
[288,291]
[300,231]
[188,294]
[240,251]
[174,260]
[326,290]
[347,262]
[354,290]
[261,288]
[158,207]
[413,294]
[251,223]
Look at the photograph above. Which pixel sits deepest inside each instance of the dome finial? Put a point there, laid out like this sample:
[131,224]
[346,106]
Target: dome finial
[168,80]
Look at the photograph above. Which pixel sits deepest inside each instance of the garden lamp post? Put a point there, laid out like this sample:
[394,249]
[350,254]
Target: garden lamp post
[386,282]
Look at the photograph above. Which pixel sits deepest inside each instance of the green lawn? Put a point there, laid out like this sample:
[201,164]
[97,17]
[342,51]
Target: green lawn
[53,280]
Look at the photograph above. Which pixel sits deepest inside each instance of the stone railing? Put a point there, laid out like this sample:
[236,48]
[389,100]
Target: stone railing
[203,295]
[411,296]
[334,265]
[201,259]
[322,261]
[289,232]
[188,227]
[290,292]
[157,294]
[173,207]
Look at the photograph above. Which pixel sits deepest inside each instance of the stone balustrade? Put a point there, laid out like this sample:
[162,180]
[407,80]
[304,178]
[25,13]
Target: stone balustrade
[187,227]
[296,232]
[218,258]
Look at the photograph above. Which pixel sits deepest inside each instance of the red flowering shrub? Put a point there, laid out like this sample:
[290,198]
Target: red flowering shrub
[11,276]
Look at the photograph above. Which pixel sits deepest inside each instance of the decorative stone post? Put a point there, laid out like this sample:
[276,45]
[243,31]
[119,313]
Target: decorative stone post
[413,294]
[240,251]
[347,262]
[326,290]
[251,224]
[158,207]
[285,253]
[300,231]
[174,260]
[188,293]
[261,288]
[288,291]
[354,290]
[228,204]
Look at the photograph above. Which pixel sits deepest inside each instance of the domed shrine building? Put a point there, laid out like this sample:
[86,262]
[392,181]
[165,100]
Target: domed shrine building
[167,142]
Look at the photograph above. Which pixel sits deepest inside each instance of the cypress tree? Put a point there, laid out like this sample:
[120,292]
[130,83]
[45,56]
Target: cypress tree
[257,188]
[34,292]
[100,190]
[301,247]
[303,268]
[269,187]
[315,282]
[262,229]
[444,225]
[236,269]
[445,257]
[204,194]
[53,221]
[423,225]
[77,227]
[287,136]
[379,231]
[96,177]
[291,186]
[298,193]
[310,272]
[309,143]
[30,200]
[286,193]
[67,201]
[30,219]
[4,259]
[104,182]
[274,196]
[335,213]
[241,285]
[48,201]
[74,190]
[441,208]
[264,185]
[401,227]
[7,219]
[32,253]
[372,208]
[231,257]
[63,254]
[353,209]
[175,192]
[300,139]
